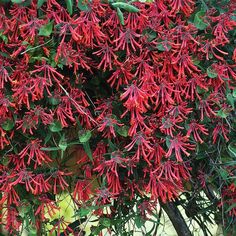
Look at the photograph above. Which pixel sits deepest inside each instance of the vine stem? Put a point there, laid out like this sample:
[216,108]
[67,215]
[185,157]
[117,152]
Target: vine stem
[176,219]
[29,49]
[77,105]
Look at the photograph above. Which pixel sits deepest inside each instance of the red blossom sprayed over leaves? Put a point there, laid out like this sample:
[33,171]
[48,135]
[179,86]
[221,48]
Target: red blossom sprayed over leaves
[124,106]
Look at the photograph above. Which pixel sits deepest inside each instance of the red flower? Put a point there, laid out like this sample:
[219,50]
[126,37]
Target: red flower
[220,129]
[23,93]
[205,108]
[91,32]
[144,147]
[25,177]
[58,180]
[110,169]
[158,152]
[108,56]
[4,76]
[162,188]
[63,113]
[191,86]
[10,196]
[46,205]
[82,190]
[178,144]
[34,153]
[184,5]
[113,183]
[194,128]
[3,139]
[48,72]
[60,225]
[229,198]
[183,65]
[127,39]
[169,125]
[32,118]
[136,99]
[172,171]
[180,110]
[41,184]
[107,127]
[13,221]
[103,196]
[122,75]
[29,30]
[163,94]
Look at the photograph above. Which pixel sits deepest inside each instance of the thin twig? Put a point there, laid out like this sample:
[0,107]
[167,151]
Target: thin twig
[85,224]
[77,105]
[90,99]
[29,49]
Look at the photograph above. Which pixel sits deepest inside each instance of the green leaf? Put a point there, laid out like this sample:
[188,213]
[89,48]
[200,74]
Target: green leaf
[88,151]
[40,3]
[84,136]
[139,222]
[224,174]
[18,1]
[112,146]
[151,35]
[46,30]
[69,6]
[163,46]
[123,131]
[50,149]
[63,143]
[196,61]
[105,222]
[211,72]
[221,113]
[120,16]
[168,142]
[4,38]
[32,230]
[3,54]
[232,148]
[24,208]
[5,161]
[125,6]
[83,5]
[55,126]
[8,125]
[54,101]
[4,1]
[231,207]
[83,212]
[231,99]
[198,20]
[23,3]
[234,93]
[200,90]
[25,43]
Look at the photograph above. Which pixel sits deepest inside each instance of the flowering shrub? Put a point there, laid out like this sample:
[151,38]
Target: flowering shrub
[120,104]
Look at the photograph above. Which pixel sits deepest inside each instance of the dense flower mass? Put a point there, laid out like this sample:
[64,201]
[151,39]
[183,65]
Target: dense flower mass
[114,100]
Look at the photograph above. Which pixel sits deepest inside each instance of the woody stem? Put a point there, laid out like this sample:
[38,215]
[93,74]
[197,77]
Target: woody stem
[176,219]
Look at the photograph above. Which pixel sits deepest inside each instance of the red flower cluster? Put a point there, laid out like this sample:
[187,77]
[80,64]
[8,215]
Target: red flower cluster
[139,88]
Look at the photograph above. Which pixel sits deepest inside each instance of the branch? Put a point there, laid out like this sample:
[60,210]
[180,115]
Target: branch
[176,219]
[29,49]
[77,105]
